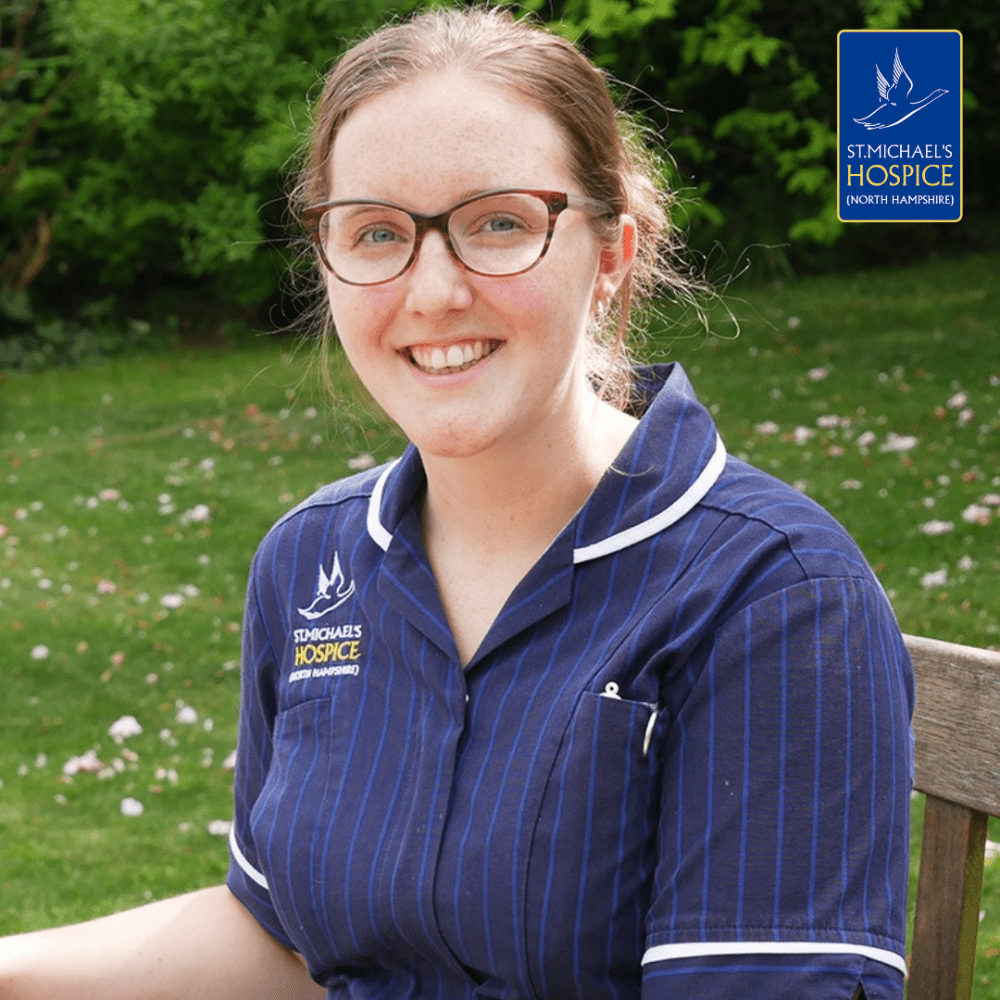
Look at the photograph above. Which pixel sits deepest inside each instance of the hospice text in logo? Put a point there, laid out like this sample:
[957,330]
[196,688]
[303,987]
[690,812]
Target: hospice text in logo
[899,126]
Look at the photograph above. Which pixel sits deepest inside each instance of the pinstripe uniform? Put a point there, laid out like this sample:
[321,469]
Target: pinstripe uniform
[678,763]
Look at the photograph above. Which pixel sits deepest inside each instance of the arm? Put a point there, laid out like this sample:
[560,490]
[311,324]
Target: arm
[204,944]
[784,833]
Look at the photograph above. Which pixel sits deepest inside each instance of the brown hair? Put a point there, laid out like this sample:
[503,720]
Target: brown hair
[607,156]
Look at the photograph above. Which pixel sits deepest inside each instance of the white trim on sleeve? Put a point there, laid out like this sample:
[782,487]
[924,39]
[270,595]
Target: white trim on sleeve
[701,949]
[241,860]
[684,503]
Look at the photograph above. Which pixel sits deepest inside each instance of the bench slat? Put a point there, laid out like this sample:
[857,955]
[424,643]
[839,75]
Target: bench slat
[947,915]
[956,722]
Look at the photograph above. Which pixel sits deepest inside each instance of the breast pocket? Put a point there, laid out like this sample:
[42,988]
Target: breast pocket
[594,851]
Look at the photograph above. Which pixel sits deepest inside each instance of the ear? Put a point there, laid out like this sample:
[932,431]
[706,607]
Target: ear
[616,259]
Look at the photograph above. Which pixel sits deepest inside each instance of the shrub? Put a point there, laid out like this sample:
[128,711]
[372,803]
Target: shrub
[162,165]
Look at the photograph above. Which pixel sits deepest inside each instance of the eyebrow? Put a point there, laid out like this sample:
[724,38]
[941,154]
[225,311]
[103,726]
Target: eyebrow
[465,195]
[362,207]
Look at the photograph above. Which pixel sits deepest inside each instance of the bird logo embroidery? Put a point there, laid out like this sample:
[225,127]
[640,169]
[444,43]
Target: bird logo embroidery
[895,105]
[325,600]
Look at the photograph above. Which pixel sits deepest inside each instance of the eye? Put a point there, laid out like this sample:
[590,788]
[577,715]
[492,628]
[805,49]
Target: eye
[501,224]
[357,227]
[496,225]
[378,235]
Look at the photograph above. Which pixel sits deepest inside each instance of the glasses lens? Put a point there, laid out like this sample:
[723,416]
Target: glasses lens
[500,233]
[366,243]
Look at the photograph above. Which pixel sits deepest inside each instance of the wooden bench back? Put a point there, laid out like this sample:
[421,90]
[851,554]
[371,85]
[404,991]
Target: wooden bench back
[957,728]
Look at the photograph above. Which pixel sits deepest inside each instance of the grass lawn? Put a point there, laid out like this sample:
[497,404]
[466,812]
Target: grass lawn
[134,493]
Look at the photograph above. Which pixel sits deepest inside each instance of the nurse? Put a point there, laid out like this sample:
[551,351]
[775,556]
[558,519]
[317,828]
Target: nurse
[566,702]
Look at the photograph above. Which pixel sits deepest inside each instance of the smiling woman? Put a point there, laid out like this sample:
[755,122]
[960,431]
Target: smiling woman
[565,701]
[539,72]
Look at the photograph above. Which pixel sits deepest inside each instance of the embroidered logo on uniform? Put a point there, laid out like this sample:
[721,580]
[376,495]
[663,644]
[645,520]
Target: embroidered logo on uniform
[331,591]
[326,651]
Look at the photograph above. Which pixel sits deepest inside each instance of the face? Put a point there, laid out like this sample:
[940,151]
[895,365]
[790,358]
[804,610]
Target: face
[465,363]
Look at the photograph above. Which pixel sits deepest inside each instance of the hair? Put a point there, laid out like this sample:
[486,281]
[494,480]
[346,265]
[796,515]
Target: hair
[607,157]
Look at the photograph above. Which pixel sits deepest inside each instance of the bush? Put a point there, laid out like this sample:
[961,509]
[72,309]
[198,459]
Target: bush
[744,91]
[161,167]
[143,144]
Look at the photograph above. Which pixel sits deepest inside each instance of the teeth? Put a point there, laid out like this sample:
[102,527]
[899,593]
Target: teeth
[455,356]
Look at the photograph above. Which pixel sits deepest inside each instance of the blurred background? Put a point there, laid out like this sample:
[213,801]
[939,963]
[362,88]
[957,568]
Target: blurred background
[158,412]
[145,146]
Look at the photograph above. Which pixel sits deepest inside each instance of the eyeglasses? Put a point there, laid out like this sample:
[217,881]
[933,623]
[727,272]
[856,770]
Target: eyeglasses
[496,234]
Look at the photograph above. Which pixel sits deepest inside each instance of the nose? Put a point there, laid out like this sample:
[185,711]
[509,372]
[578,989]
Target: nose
[436,282]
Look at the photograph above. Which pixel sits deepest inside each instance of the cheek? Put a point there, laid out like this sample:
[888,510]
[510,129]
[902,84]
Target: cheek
[360,315]
[520,300]
[538,299]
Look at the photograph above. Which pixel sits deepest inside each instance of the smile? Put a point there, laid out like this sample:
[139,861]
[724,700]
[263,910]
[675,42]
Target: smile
[451,359]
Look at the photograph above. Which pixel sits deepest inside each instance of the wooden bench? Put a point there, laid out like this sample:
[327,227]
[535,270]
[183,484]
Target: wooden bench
[957,729]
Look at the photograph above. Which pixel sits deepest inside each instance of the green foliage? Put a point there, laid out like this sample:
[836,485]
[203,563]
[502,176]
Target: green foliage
[29,91]
[752,126]
[744,93]
[145,145]
[98,332]
[165,164]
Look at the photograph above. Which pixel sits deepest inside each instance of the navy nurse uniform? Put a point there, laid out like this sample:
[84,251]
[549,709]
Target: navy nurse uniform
[679,765]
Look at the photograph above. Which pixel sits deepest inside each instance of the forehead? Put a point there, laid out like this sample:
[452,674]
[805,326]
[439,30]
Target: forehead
[432,142]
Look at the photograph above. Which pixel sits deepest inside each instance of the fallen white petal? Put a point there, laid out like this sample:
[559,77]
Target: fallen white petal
[937,527]
[124,727]
[85,762]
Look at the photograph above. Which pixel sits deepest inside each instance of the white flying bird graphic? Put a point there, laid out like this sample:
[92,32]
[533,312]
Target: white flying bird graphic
[895,105]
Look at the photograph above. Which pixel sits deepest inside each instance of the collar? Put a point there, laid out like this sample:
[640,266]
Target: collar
[667,466]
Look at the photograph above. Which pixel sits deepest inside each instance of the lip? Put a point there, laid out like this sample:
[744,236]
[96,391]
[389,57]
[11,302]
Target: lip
[448,379]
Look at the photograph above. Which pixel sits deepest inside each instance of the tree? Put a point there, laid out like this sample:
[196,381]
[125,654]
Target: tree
[29,89]
[166,169]
[744,94]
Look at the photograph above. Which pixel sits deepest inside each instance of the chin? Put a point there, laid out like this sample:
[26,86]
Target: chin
[460,442]
[451,447]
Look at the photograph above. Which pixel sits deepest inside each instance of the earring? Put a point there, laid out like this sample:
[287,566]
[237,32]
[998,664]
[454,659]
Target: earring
[601,309]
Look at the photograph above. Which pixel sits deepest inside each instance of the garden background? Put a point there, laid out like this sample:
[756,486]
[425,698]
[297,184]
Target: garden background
[158,411]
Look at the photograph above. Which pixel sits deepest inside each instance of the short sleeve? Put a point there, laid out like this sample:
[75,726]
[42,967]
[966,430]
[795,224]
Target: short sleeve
[784,831]
[258,707]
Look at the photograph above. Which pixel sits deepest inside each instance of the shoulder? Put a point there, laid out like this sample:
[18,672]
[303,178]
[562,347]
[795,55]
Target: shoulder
[759,510]
[347,491]
[335,509]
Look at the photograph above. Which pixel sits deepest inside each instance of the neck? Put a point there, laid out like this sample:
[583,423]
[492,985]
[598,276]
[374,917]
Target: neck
[488,518]
[518,498]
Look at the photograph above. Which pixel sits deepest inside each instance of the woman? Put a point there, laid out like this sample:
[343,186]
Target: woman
[565,702]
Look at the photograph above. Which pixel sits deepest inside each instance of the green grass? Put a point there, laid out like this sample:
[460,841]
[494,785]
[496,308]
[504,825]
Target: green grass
[245,433]
[101,468]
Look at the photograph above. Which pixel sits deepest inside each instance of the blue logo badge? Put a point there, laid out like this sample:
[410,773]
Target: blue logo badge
[899,126]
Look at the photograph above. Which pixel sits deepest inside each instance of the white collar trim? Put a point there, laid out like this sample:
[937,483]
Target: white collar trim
[380,536]
[670,515]
[613,543]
